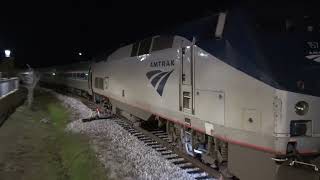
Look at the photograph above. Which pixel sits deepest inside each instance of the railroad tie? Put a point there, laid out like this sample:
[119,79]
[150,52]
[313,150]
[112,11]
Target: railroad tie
[204,177]
[180,162]
[161,134]
[187,167]
[172,158]
[166,153]
[156,131]
[195,171]
[148,141]
[161,150]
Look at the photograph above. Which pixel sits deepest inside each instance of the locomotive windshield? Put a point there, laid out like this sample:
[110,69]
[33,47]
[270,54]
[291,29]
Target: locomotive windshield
[291,50]
[287,24]
[278,49]
[288,50]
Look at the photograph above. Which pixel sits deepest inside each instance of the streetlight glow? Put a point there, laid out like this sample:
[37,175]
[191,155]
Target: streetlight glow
[7,53]
[80,53]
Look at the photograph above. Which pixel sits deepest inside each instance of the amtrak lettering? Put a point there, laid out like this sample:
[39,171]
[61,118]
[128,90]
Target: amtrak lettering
[165,63]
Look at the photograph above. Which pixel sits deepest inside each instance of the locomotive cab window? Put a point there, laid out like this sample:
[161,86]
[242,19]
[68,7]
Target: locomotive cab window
[145,46]
[162,42]
[135,48]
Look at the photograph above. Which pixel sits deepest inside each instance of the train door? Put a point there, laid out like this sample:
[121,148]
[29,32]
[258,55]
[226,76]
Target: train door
[187,80]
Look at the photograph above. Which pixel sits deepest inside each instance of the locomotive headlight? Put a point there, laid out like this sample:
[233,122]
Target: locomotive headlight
[301,108]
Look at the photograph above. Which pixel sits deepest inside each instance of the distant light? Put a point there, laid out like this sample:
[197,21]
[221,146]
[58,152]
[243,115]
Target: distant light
[80,53]
[53,74]
[87,74]
[7,53]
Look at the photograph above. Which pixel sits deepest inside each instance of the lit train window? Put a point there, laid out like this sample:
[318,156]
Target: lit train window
[106,82]
[96,82]
[134,49]
[145,46]
[101,83]
[82,76]
[162,42]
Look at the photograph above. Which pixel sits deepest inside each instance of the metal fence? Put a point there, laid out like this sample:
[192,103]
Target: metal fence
[8,85]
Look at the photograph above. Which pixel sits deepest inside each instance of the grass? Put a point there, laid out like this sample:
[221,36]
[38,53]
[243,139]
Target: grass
[46,150]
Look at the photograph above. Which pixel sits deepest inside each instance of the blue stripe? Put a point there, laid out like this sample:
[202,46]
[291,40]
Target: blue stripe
[156,79]
[152,73]
[163,83]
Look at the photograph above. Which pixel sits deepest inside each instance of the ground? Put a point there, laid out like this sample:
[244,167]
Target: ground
[34,145]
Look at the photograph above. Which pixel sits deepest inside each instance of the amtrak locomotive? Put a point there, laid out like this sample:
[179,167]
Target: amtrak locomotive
[241,97]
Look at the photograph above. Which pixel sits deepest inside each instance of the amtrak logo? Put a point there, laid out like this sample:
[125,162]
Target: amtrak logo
[314,57]
[158,79]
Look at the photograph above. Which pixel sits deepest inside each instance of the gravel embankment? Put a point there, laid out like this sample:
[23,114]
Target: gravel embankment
[121,153]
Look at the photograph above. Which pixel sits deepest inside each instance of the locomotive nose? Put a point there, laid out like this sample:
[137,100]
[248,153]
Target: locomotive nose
[299,114]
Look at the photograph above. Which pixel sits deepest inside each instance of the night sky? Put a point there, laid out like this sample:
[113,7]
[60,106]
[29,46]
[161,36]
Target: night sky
[43,33]
[46,33]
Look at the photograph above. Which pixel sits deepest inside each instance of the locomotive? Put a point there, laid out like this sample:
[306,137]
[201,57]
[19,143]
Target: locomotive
[227,89]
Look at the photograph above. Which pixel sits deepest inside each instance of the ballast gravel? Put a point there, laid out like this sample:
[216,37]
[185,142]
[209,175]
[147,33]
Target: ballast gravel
[122,154]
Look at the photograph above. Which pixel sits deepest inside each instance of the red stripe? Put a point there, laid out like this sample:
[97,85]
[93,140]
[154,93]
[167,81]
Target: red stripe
[232,141]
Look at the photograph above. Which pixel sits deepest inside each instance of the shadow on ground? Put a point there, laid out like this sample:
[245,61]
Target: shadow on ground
[34,145]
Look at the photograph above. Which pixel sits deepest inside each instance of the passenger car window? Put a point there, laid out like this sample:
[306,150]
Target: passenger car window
[101,83]
[83,76]
[96,82]
[162,42]
[145,46]
[106,82]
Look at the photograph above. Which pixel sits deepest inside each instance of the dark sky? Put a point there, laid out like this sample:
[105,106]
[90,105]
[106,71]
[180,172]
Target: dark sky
[43,33]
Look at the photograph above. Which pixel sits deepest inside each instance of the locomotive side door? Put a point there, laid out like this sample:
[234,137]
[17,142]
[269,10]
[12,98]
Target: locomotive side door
[187,80]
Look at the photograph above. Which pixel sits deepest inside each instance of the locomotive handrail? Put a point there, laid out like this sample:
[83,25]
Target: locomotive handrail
[8,85]
[315,167]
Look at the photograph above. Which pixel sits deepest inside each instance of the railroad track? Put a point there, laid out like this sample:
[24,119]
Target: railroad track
[159,140]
